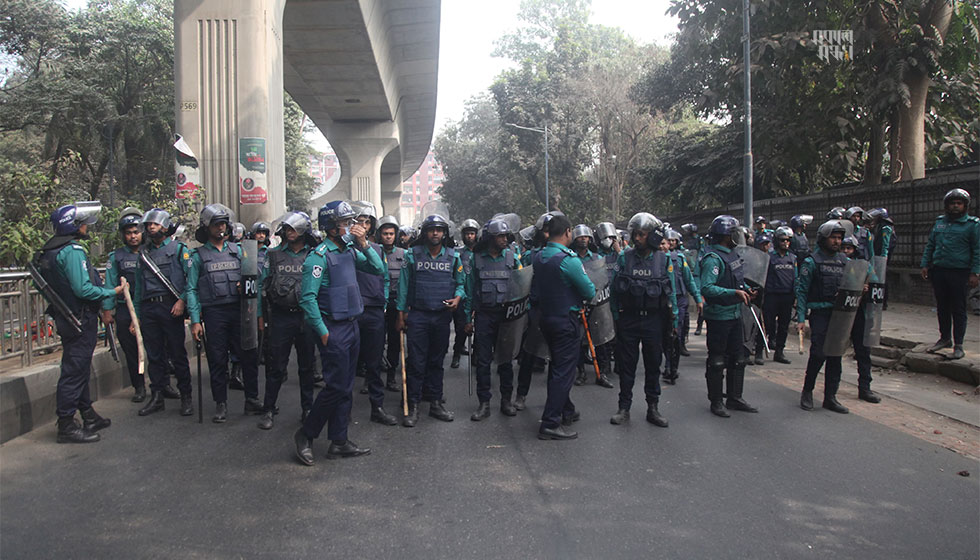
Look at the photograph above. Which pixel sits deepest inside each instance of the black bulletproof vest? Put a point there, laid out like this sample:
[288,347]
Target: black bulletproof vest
[826,279]
[643,284]
[285,280]
[494,277]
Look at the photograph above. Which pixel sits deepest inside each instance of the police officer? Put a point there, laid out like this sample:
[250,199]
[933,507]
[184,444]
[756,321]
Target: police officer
[607,238]
[261,233]
[643,296]
[371,324]
[836,213]
[161,313]
[584,247]
[863,236]
[777,307]
[819,280]
[724,292]
[395,261]
[213,282]
[122,264]
[331,302]
[469,230]
[282,280]
[64,265]
[685,284]
[799,244]
[486,296]
[559,286]
[883,239]
[431,287]
[406,236]
[763,242]
[951,261]
[761,226]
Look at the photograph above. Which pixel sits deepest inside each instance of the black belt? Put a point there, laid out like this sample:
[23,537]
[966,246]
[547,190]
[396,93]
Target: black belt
[160,299]
[639,313]
[282,309]
[332,320]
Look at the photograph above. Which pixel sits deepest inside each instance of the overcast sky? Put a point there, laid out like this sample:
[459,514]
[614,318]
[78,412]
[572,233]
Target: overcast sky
[469,29]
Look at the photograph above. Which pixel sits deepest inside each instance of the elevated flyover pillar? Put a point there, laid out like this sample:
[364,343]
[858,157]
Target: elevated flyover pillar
[228,73]
[361,149]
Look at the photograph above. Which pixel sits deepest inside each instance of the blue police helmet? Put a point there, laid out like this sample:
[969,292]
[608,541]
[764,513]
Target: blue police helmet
[496,227]
[333,212]
[434,221]
[67,219]
[723,225]
[762,239]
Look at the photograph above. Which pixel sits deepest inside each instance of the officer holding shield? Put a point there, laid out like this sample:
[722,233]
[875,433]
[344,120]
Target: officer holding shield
[724,292]
[214,275]
[75,294]
[584,246]
[643,288]
[485,303]
[331,303]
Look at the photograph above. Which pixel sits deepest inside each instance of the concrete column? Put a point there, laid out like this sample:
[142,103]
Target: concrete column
[361,148]
[228,78]
[391,193]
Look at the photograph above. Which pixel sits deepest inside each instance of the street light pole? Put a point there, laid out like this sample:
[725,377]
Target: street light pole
[547,194]
[747,164]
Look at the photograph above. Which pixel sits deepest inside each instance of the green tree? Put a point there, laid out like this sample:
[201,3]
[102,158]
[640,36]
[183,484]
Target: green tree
[299,184]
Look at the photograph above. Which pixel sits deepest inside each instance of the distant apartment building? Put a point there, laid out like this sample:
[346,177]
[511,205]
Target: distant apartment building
[325,170]
[421,187]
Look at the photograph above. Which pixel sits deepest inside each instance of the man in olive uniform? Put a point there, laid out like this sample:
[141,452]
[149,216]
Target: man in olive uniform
[559,288]
[431,287]
[395,261]
[332,303]
[469,230]
[122,263]
[780,291]
[64,265]
[951,261]
[282,281]
[685,284]
[484,305]
[724,292]
[583,245]
[161,313]
[855,214]
[213,298]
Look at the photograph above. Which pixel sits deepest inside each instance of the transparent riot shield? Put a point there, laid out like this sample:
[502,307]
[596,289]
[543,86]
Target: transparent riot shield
[845,307]
[534,342]
[876,296]
[510,332]
[599,311]
[755,265]
[250,294]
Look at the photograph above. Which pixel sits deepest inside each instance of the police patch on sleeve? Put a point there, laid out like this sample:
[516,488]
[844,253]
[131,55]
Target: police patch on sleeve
[317,271]
[715,271]
[805,271]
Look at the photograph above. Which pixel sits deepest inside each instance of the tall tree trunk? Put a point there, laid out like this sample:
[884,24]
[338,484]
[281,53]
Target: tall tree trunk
[876,154]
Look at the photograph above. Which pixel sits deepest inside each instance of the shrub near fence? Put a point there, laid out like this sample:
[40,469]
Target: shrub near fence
[912,205]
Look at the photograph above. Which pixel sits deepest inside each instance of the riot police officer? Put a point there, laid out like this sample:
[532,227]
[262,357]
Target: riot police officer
[468,230]
[161,312]
[395,261]
[607,238]
[374,293]
[951,261]
[882,232]
[799,244]
[643,297]
[431,287]
[559,287]
[724,292]
[863,236]
[685,284]
[260,232]
[213,282]
[585,249]
[486,290]
[820,278]
[76,291]
[332,303]
[777,307]
[122,264]
[282,280]
[761,226]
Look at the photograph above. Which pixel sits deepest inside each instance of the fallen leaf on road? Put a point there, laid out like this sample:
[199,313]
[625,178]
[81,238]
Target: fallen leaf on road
[937,432]
[955,392]
[964,473]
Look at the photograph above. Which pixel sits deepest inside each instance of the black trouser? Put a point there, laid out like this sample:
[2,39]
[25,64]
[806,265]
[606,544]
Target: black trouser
[393,337]
[861,352]
[632,330]
[819,321]
[564,335]
[950,287]
[486,327]
[372,329]
[164,342]
[223,327]
[778,310]
[459,321]
[76,362]
[127,343]
[287,329]
[726,352]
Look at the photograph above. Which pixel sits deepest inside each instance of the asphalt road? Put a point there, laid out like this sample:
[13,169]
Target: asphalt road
[780,484]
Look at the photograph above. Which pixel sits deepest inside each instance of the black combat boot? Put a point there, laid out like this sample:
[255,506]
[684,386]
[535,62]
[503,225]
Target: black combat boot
[735,401]
[580,376]
[520,403]
[169,392]
[155,404]
[941,344]
[507,408]
[304,448]
[379,415]
[92,421]
[139,395]
[558,433]
[455,362]
[683,349]
[345,450]
[718,409]
[267,420]
[781,357]
[186,405]
[254,406]
[622,416]
[958,352]
[482,412]
[220,413]
[869,396]
[806,400]
[654,417]
[413,416]
[758,357]
[830,403]
[438,411]
[70,432]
